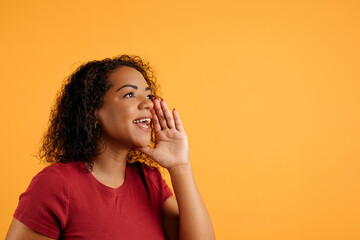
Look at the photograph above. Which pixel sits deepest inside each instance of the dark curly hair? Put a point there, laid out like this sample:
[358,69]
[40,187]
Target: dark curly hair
[72,134]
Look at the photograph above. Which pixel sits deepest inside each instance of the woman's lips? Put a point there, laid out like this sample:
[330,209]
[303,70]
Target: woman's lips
[144,126]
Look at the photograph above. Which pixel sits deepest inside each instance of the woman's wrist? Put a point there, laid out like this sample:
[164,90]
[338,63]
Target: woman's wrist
[181,168]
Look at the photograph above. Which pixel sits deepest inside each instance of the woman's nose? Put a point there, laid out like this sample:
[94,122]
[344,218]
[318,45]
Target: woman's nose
[146,103]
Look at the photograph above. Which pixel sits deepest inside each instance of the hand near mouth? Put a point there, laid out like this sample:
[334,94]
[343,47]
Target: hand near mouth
[171,144]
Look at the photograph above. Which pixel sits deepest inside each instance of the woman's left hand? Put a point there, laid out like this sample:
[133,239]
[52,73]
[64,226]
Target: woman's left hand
[171,144]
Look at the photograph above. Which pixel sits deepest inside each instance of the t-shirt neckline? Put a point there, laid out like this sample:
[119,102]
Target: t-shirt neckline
[103,187]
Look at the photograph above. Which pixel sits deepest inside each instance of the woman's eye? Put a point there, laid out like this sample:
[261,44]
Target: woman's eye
[131,94]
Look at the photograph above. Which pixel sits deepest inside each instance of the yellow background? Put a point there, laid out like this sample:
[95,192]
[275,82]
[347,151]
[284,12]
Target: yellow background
[268,92]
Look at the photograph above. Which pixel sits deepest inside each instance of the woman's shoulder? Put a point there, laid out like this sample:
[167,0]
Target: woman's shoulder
[60,171]
[152,175]
[69,167]
[55,179]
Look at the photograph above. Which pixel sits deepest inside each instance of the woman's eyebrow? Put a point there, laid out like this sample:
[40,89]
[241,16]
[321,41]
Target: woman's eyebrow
[132,86]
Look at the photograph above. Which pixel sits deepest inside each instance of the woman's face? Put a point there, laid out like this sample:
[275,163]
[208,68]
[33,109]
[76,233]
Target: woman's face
[128,100]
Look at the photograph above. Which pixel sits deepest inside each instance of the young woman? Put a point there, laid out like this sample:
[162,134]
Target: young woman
[109,131]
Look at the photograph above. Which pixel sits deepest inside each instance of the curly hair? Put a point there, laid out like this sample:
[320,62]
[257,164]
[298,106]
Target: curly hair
[72,134]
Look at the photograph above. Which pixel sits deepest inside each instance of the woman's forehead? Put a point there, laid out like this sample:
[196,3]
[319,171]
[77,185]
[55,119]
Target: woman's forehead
[127,75]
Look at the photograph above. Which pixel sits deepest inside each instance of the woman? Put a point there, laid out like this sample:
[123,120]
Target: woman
[102,183]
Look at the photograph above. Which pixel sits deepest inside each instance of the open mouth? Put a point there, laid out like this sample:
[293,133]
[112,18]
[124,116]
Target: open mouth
[143,123]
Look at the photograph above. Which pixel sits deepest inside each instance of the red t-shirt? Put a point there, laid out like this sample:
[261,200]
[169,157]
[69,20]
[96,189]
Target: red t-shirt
[66,201]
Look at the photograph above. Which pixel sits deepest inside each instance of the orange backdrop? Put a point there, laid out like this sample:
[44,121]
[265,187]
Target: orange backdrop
[268,92]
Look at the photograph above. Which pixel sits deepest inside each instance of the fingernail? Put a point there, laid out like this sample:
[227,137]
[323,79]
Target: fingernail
[154,98]
[162,100]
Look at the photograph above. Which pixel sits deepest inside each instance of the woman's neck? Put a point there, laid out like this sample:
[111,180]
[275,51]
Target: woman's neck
[109,166]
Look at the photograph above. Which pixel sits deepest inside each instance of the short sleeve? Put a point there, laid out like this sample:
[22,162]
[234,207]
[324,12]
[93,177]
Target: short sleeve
[44,206]
[158,181]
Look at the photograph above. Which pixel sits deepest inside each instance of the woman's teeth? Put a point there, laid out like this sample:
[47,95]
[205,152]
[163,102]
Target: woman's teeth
[144,124]
[146,120]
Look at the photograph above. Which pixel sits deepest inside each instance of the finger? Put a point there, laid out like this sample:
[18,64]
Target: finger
[160,114]
[167,114]
[177,120]
[155,121]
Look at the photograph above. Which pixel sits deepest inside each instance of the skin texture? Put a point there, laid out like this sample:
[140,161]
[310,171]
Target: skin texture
[185,217]
[19,231]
